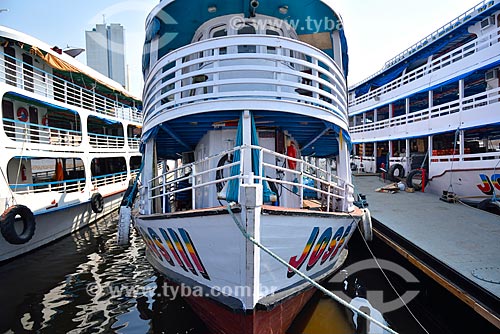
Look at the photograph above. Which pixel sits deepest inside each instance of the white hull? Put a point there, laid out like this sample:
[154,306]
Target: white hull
[59,223]
[209,251]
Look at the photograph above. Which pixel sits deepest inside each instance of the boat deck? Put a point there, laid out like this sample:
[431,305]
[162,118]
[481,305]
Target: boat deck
[453,243]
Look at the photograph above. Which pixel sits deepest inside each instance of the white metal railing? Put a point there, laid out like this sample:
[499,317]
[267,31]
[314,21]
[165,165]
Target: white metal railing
[30,78]
[134,143]
[277,68]
[462,18]
[103,180]
[488,97]
[97,140]
[308,179]
[40,134]
[439,63]
[65,186]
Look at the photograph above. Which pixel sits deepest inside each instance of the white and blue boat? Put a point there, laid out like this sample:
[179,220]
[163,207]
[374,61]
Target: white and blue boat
[245,137]
[69,138]
[432,113]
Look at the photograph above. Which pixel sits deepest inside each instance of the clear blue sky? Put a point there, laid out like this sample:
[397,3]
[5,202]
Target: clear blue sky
[376,30]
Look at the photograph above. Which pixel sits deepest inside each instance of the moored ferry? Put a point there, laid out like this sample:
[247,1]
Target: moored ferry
[246,156]
[69,138]
[432,113]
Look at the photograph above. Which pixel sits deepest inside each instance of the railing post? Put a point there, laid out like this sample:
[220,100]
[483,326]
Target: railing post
[164,193]
[301,183]
[193,180]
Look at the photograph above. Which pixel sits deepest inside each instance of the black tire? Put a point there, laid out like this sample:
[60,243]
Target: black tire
[396,172]
[414,179]
[488,205]
[125,199]
[97,203]
[8,221]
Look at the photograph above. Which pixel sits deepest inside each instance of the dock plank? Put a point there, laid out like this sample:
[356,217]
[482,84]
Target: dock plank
[461,237]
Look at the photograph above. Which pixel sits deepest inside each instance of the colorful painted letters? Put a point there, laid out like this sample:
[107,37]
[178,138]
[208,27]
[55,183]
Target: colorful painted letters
[320,249]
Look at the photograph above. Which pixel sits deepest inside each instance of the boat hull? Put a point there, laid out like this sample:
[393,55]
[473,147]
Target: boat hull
[233,285]
[58,223]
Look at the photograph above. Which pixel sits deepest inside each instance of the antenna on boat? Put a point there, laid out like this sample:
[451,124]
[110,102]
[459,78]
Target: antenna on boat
[253,6]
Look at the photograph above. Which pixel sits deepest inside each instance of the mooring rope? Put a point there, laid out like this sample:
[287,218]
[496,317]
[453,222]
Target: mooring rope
[390,283]
[304,276]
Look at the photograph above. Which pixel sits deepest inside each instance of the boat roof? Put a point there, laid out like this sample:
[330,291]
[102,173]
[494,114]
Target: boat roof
[69,63]
[177,21]
[452,33]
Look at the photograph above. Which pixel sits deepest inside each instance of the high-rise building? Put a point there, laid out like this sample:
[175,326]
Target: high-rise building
[106,50]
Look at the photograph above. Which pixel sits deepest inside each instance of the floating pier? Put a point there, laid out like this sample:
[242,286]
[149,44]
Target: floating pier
[456,245]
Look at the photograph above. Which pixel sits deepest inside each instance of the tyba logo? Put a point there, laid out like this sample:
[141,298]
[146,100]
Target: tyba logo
[325,248]
[175,249]
[377,297]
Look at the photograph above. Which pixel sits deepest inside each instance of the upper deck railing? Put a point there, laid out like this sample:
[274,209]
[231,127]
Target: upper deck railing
[246,67]
[40,134]
[32,79]
[434,65]
[456,22]
[470,103]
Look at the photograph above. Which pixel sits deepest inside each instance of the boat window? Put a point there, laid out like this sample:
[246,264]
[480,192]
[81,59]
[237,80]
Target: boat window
[28,72]
[247,29]
[46,174]
[221,32]
[135,163]
[8,113]
[482,140]
[444,144]
[10,65]
[108,166]
[272,32]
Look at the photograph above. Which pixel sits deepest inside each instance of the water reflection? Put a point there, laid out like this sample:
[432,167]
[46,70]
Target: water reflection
[47,291]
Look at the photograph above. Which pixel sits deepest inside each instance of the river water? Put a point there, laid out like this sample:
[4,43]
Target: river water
[85,283]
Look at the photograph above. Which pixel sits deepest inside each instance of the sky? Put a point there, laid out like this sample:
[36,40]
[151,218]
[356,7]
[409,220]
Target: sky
[376,30]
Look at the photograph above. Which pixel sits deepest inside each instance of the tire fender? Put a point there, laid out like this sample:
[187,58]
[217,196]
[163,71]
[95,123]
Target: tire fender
[97,203]
[8,221]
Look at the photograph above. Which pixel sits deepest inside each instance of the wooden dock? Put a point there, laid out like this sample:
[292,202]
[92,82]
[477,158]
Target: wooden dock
[457,245]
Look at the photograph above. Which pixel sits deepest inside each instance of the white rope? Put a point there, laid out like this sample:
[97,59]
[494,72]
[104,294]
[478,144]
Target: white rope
[313,283]
[390,283]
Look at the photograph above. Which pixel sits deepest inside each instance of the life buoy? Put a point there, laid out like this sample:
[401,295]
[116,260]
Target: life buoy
[22,114]
[8,221]
[396,172]
[291,151]
[366,225]
[97,203]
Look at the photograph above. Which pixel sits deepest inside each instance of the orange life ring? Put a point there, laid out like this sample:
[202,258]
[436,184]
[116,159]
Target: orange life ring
[22,114]
[291,151]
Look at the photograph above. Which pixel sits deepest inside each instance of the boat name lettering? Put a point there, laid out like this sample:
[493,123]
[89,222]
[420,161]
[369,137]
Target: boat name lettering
[325,248]
[175,248]
[488,184]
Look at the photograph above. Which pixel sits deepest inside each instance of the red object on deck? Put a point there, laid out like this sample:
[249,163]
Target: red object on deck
[382,168]
[423,179]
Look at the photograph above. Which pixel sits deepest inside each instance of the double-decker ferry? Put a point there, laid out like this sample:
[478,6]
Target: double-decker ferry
[249,100]
[432,113]
[69,138]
